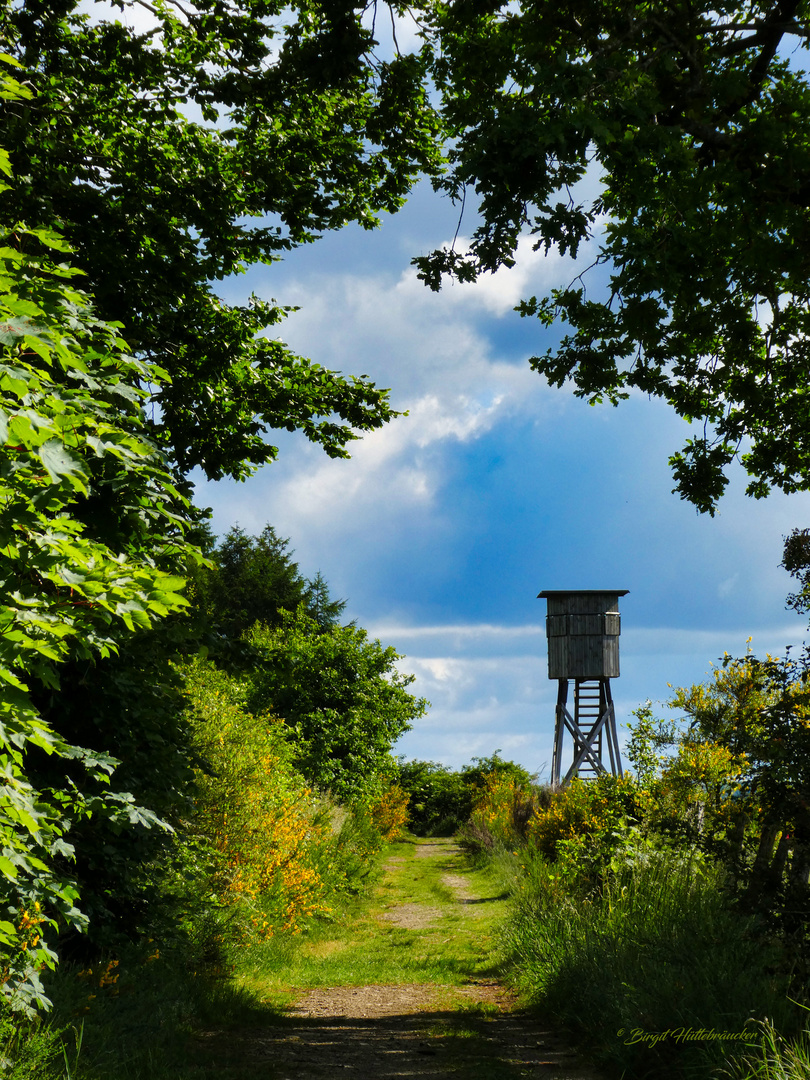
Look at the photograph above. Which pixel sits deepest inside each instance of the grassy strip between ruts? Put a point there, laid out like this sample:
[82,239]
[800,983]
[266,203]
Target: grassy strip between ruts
[411,929]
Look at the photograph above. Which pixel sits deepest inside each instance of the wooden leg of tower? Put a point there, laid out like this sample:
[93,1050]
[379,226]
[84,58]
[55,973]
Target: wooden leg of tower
[591,736]
[559,729]
[611,733]
[606,710]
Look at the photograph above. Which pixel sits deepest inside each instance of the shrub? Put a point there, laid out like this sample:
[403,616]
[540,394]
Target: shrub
[503,807]
[389,813]
[264,826]
[440,799]
[586,808]
[279,854]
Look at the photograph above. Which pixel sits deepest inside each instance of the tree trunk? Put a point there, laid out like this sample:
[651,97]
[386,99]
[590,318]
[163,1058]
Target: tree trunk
[760,871]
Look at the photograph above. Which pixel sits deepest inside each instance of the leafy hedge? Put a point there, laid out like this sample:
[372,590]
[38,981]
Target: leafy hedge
[72,431]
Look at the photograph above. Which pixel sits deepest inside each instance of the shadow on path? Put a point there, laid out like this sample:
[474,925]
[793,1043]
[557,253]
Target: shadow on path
[429,1043]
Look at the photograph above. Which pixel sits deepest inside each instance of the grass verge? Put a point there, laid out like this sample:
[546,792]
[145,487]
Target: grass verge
[655,973]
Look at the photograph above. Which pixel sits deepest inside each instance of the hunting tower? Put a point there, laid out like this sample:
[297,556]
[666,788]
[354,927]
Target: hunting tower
[582,629]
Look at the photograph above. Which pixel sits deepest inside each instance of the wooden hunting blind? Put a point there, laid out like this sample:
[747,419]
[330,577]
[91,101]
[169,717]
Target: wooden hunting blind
[582,630]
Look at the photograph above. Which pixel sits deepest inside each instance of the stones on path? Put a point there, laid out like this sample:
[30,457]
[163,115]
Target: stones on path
[412,916]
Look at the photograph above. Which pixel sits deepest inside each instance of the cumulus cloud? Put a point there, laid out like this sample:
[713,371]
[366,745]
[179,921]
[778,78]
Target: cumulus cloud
[398,467]
[498,293]
[448,374]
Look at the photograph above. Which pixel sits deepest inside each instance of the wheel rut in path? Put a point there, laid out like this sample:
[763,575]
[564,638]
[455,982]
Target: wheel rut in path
[468,1031]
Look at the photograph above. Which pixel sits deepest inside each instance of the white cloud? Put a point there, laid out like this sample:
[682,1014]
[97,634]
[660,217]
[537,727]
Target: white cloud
[473,631]
[443,371]
[498,293]
[447,369]
[398,466]
[462,419]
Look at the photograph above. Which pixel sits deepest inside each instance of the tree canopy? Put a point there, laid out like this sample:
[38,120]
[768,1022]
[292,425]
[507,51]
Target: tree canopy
[169,157]
[218,135]
[343,701]
[695,118]
[223,135]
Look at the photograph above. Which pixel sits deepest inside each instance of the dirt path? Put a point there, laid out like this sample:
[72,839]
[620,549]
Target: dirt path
[471,1030]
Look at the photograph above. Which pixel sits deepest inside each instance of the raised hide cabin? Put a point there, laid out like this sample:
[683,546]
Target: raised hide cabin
[582,630]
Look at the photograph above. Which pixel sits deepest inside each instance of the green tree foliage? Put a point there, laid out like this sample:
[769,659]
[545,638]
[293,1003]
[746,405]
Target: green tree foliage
[730,704]
[761,709]
[252,579]
[129,705]
[224,135]
[171,157]
[796,560]
[341,697]
[320,605]
[442,799]
[73,434]
[743,765]
[649,736]
[695,118]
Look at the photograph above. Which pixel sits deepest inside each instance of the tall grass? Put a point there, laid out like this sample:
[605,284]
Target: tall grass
[775,1058]
[656,950]
[30,1050]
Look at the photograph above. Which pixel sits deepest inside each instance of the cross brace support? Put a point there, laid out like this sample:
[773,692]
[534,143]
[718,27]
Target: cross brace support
[593,727]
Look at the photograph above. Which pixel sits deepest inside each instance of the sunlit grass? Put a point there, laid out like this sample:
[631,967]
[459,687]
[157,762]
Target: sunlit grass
[452,943]
[776,1058]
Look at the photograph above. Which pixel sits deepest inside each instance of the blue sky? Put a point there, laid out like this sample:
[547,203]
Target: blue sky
[442,528]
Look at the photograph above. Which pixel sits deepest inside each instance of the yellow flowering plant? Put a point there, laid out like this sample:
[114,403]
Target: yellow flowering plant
[389,813]
[262,821]
[280,853]
[590,808]
[502,806]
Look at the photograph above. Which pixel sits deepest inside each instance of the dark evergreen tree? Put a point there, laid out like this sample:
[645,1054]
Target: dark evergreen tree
[253,579]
